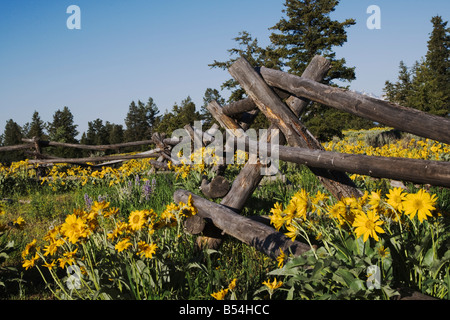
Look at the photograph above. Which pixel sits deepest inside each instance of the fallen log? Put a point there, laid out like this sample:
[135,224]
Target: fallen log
[264,238]
[390,114]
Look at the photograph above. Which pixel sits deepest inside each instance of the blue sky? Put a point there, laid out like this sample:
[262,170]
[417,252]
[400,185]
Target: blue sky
[133,50]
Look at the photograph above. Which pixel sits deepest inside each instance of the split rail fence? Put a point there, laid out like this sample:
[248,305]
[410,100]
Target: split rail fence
[282,97]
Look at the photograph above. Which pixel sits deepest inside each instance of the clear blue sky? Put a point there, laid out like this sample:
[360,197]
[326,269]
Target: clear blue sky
[133,50]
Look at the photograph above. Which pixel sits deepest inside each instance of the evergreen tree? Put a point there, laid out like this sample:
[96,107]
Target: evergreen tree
[306,31]
[250,50]
[399,91]
[11,136]
[180,116]
[431,83]
[96,134]
[115,133]
[426,86]
[140,120]
[63,129]
[37,127]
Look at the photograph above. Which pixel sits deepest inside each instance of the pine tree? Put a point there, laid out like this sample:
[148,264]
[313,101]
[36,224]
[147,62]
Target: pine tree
[399,91]
[306,31]
[140,120]
[181,115]
[115,133]
[63,129]
[11,136]
[426,86]
[37,127]
[250,50]
[96,134]
[431,83]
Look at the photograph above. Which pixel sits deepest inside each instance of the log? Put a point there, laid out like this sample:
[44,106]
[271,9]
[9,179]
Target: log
[216,188]
[225,121]
[316,70]
[238,107]
[436,173]
[338,183]
[384,112]
[94,159]
[247,180]
[196,138]
[89,147]
[17,147]
[264,238]
[250,176]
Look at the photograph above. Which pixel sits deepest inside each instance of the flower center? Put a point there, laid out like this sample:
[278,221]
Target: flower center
[136,219]
[370,225]
[418,204]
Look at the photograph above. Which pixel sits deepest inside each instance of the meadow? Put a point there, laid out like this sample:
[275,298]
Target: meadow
[115,233]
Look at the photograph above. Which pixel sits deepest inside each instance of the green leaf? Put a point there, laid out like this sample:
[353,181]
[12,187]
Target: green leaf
[429,258]
[358,285]
[344,277]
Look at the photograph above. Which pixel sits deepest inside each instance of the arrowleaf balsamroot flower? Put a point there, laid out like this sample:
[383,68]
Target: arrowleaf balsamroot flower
[74,228]
[273,285]
[137,219]
[368,225]
[395,198]
[146,250]
[420,203]
[220,295]
[123,245]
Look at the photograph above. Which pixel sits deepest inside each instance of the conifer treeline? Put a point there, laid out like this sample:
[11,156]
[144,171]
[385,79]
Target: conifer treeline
[305,30]
[141,121]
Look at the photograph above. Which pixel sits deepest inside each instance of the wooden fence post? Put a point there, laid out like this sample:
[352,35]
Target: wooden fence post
[338,183]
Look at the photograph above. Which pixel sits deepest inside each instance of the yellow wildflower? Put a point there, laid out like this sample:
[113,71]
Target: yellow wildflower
[30,262]
[281,258]
[395,198]
[123,245]
[73,228]
[137,220]
[220,295]
[146,250]
[420,203]
[368,225]
[232,284]
[272,285]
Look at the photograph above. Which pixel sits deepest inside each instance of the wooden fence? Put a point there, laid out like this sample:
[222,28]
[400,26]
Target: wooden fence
[282,97]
